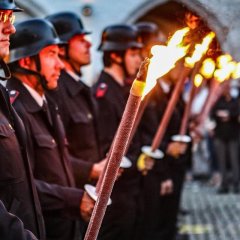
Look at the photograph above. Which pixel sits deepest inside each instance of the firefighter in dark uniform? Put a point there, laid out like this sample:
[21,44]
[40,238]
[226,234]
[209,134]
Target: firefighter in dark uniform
[121,59]
[176,155]
[76,103]
[17,190]
[150,183]
[36,66]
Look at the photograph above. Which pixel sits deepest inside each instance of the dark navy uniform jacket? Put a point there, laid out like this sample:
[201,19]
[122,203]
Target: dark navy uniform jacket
[111,99]
[121,215]
[78,110]
[51,164]
[17,189]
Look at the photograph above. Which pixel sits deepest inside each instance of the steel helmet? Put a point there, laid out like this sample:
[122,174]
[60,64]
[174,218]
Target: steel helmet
[119,38]
[67,25]
[31,37]
[148,31]
[9,5]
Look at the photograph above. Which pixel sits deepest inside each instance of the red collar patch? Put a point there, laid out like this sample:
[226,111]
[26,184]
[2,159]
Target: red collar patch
[13,94]
[101,90]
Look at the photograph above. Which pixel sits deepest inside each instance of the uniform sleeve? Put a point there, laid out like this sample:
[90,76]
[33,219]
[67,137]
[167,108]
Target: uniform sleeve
[58,200]
[81,171]
[11,227]
[107,123]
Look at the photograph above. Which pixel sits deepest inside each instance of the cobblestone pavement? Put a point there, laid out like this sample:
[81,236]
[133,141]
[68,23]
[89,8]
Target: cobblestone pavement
[211,216]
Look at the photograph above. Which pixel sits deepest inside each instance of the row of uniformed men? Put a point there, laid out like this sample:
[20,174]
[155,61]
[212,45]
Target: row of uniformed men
[65,133]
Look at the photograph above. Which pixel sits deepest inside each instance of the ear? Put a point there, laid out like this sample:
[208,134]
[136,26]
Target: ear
[62,52]
[25,62]
[116,57]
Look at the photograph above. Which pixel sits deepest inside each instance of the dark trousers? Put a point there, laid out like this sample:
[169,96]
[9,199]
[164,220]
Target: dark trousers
[227,151]
[169,208]
[120,218]
[148,227]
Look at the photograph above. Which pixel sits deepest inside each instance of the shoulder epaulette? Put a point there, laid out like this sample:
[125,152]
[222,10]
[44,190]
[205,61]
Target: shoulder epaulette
[13,94]
[101,90]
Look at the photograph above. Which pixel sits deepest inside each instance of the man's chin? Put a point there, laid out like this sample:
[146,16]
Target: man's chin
[85,63]
[52,86]
[4,56]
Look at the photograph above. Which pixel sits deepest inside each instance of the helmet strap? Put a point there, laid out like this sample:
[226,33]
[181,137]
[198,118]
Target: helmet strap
[6,70]
[123,65]
[42,80]
[37,62]
[66,52]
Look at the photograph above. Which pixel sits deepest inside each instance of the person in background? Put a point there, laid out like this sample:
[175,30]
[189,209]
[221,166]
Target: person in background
[225,113]
[121,59]
[76,103]
[148,227]
[177,155]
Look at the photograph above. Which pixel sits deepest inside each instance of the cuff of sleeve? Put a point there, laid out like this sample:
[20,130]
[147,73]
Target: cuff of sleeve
[81,170]
[73,197]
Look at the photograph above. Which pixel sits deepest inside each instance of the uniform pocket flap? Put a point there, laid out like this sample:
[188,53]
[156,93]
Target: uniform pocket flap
[6,130]
[44,140]
[81,117]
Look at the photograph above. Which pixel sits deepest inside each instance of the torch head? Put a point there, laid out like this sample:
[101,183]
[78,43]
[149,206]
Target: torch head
[142,72]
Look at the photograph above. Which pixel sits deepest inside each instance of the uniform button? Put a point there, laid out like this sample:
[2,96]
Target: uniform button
[53,141]
[89,115]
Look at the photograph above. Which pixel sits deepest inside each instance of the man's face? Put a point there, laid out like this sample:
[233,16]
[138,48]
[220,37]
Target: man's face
[6,29]
[79,50]
[132,61]
[51,65]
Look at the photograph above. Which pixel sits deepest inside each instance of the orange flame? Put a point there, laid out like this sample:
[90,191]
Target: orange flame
[200,50]
[225,68]
[164,58]
[207,68]
[236,72]
[198,79]
[177,37]
[223,60]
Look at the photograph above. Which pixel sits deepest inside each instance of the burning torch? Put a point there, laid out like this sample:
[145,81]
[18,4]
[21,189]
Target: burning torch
[226,69]
[182,137]
[200,50]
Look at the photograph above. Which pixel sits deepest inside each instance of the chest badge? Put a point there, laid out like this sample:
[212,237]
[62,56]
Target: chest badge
[101,90]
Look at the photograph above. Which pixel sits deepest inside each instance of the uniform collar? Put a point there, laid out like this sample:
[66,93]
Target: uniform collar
[74,76]
[73,87]
[108,78]
[24,95]
[36,96]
